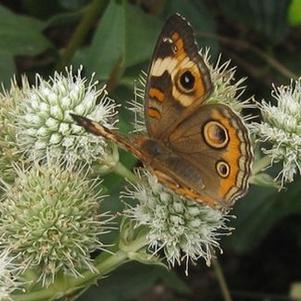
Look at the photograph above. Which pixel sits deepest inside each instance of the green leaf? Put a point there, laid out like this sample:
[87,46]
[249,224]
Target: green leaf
[264,180]
[73,4]
[64,19]
[141,35]
[146,258]
[125,42]
[7,68]
[42,8]
[108,45]
[259,212]
[21,35]
[132,280]
[295,291]
[294,12]
[268,17]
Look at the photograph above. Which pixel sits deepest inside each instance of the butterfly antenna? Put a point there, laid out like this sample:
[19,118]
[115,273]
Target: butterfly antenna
[99,130]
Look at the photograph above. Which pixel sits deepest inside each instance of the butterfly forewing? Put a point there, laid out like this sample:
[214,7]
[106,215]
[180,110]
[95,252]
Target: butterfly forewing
[178,79]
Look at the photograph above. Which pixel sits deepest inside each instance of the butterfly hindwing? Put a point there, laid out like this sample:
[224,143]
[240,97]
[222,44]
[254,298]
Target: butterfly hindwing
[215,140]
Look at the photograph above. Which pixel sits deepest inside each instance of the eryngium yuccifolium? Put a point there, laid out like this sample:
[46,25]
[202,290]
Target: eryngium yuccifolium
[51,220]
[9,107]
[45,127]
[226,90]
[8,273]
[182,228]
[280,129]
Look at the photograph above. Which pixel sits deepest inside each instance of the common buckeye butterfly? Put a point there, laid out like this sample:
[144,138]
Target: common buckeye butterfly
[201,151]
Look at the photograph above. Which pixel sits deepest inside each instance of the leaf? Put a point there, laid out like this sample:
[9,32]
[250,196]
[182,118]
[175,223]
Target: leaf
[259,212]
[130,281]
[294,13]
[63,19]
[7,68]
[42,8]
[268,17]
[125,42]
[73,4]
[295,291]
[264,180]
[108,44]
[141,35]
[21,35]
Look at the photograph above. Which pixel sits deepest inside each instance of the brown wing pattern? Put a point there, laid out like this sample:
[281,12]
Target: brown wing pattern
[215,140]
[178,79]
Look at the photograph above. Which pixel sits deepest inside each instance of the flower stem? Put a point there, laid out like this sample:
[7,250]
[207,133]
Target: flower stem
[261,164]
[221,280]
[67,285]
[95,8]
[123,171]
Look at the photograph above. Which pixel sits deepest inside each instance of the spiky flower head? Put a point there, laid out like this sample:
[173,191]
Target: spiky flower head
[280,129]
[184,229]
[51,220]
[9,107]
[8,272]
[226,90]
[45,127]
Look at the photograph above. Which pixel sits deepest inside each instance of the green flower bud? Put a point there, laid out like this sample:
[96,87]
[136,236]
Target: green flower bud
[51,220]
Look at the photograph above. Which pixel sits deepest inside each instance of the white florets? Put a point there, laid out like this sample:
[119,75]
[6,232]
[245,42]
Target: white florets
[280,129]
[183,229]
[44,124]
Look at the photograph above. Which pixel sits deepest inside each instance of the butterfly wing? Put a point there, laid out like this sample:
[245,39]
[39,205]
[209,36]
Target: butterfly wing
[215,141]
[178,79]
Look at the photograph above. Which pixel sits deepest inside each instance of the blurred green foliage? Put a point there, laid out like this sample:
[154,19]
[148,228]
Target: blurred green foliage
[257,35]
[294,14]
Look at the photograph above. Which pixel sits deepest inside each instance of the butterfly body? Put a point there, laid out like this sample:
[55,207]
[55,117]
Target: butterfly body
[201,151]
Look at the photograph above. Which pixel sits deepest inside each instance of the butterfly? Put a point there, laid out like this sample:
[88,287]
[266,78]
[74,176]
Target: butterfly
[201,151]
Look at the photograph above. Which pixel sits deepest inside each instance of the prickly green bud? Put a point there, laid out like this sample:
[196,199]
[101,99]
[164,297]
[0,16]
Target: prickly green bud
[9,108]
[51,220]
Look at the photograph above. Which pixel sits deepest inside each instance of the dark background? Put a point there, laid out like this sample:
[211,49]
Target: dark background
[261,259]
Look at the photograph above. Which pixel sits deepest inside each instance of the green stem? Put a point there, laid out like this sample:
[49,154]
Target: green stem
[221,280]
[123,171]
[261,164]
[105,263]
[92,12]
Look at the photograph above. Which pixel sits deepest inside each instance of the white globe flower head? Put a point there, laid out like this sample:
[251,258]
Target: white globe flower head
[280,130]
[9,108]
[44,124]
[183,229]
[51,220]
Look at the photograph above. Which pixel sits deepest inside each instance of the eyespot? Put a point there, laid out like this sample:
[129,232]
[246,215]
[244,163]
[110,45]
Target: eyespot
[215,134]
[222,168]
[186,81]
